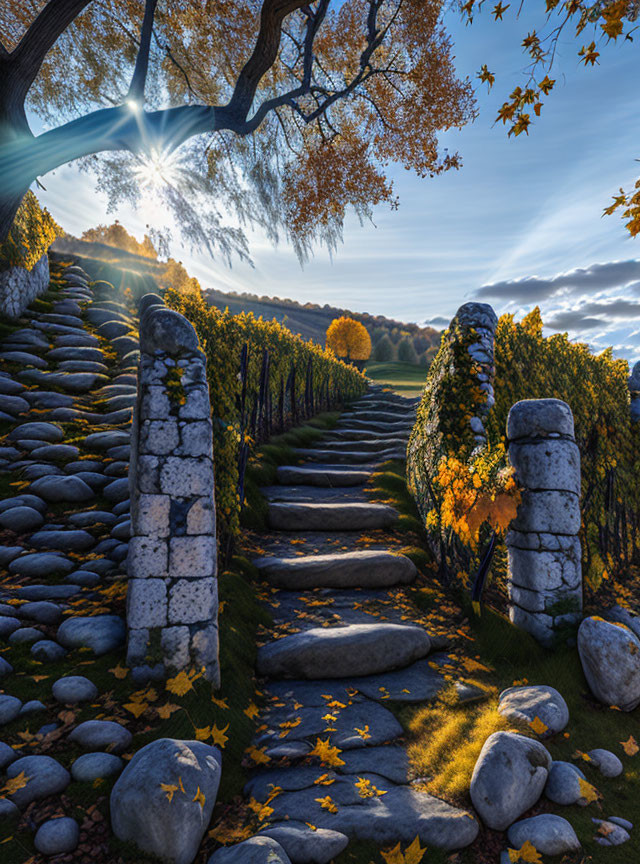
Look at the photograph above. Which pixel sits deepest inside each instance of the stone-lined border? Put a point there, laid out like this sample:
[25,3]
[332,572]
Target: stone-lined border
[172,600]
[19,286]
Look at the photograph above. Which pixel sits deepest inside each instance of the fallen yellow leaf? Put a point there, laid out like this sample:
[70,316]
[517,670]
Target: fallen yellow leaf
[630,746]
[327,804]
[538,726]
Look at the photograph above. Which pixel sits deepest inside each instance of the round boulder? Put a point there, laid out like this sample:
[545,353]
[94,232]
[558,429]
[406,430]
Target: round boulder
[550,834]
[44,776]
[535,703]
[508,778]
[57,835]
[610,657]
[563,785]
[74,688]
[255,850]
[150,808]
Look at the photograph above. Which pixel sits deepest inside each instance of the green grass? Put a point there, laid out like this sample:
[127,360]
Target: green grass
[403,378]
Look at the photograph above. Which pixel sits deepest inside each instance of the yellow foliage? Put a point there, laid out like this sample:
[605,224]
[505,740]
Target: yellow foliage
[348,339]
[31,234]
[327,804]
[327,753]
[527,853]
[413,854]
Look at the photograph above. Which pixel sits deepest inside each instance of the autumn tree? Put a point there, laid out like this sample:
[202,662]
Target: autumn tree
[349,339]
[276,113]
[590,25]
[117,235]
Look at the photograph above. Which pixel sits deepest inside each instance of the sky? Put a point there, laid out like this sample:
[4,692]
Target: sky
[520,224]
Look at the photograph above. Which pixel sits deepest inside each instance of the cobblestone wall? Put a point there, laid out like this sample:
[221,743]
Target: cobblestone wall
[634,392]
[481,319]
[19,286]
[545,575]
[172,601]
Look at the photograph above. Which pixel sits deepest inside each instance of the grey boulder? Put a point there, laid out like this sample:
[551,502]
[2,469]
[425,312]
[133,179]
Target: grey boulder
[610,657]
[148,806]
[74,688]
[606,762]
[45,776]
[9,708]
[535,701]
[550,834]
[304,845]
[67,488]
[57,835]
[255,850]
[357,649]
[508,778]
[101,633]
[563,784]
[90,766]
[101,735]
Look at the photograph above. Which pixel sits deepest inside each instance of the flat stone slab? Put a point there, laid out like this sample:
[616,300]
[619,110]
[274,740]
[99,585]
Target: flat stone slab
[398,816]
[101,633]
[341,652]
[355,516]
[352,456]
[315,494]
[362,569]
[358,722]
[40,564]
[305,475]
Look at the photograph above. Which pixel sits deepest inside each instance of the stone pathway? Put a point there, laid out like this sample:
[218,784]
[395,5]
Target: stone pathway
[67,387]
[344,645]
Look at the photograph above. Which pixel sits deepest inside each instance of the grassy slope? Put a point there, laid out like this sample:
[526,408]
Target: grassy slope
[403,378]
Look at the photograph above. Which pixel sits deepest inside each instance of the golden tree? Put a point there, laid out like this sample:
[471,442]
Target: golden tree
[349,339]
[117,235]
[280,113]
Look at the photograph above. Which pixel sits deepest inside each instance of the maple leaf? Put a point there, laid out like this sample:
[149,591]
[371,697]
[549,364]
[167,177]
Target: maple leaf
[366,789]
[630,746]
[262,811]
[413,854]
[221,703]
[199,797]
[546,85]
[165,711]
[324,780]
[527,852]
[169,788]
[538,726]
[499,10]
[119,671]
[326,752]
[588,792]
[136,708]
[485,76]
[203,733]
[589,54]
[251,711]
[38,678]
[12,785]
[258,754]
[217,735]
[363,733]
[179,684]
[327,804]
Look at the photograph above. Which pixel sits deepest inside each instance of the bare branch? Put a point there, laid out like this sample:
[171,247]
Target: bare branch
[136,89]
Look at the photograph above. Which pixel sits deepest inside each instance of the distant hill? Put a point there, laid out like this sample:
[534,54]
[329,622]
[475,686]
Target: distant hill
[311,321]
[392,340]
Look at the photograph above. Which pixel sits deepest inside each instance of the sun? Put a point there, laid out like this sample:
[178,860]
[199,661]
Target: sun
[156,169]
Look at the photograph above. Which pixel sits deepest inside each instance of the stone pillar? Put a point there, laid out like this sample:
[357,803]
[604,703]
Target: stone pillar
[172,601]
[634,393]
[481,318]
[545,573]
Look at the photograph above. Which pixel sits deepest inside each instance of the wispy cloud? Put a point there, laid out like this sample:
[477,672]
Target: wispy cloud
[587,280]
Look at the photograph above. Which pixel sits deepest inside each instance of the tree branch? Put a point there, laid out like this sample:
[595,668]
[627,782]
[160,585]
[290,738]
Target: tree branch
[264,54]
[136,89]
[28,56]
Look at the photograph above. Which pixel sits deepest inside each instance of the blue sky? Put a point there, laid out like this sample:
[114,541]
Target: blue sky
[517,216]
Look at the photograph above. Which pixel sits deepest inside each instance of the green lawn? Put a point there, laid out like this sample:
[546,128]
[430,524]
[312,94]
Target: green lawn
[403,378]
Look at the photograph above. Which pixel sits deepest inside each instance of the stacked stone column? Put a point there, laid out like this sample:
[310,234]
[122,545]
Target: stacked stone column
[481,318]
[634,393]
[172,602]
[545,575]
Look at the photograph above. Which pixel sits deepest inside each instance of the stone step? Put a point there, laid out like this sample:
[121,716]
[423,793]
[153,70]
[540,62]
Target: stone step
[315,494]
[364,435]
[378,416]
[382,405]
[403,427]
[352,456]
[320,476]
[342,652]
[362,569]
[330,517]
[365,446]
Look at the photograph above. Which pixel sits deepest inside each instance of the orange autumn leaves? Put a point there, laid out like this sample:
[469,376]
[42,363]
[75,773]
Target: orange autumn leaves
[474,495]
